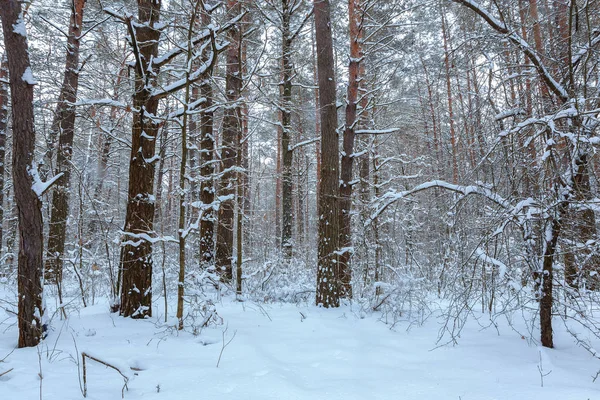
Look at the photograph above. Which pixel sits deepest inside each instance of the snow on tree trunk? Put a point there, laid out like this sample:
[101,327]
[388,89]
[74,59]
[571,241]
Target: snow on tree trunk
[232,125]
[136,251]
[24,172]
[63,126]
[328,294]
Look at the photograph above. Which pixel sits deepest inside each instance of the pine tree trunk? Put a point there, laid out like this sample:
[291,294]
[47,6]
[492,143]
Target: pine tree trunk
[3,128]
[63,126]
[181,231]
[355,15]
[207,169]
[24,176]
[232,125]
[136,252]
[328,291]
[286,133]
[447,64]
[317,110]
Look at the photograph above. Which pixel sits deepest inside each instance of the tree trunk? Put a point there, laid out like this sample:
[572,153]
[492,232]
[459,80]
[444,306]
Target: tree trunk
[448,66]
[230,146]
[328,292]
[207,167]
[136,252]
[286,133]
[183,168]
[63,126]
[24,176]
[3,127]
[317,111]
[355,15]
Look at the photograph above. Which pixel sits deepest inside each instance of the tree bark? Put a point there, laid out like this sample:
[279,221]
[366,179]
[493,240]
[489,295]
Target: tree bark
[448,67]
[207,167]
[24,172]
[328,291]
[63,126]
[232,125]
[355,15]
[183,168]
[286,132]
[3,128]
[136,251]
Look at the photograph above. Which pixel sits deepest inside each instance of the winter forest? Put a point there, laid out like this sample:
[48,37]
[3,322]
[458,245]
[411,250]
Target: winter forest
[298,199]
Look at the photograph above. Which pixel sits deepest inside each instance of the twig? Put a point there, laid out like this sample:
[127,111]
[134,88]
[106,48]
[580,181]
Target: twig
[225,344]
[6,356]
[6,372]
[540,368]
[125,377]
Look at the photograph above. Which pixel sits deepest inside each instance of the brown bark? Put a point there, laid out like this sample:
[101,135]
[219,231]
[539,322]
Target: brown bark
[28,204]
[63,126]
[431,106]
[230,146]
[286,132]
[3,127]
[328,294]
[448,66]
[183,168]
[136,251]
[278,183]
[207,168]
[355,15]
[317,112]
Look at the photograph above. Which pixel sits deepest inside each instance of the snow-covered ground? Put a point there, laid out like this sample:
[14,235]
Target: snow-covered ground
[291,352]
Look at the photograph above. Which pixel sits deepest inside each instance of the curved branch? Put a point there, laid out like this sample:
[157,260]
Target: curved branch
[517,40]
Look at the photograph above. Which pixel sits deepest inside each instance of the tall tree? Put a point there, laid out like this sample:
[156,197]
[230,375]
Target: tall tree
[328,292]
[232,126]
[3,128]
[207,166]
[355,18]
[289,10]
[63,126]
[136,253]
[286,130]
[27,185]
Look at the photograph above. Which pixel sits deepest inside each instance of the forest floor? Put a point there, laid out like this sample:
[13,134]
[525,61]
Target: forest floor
[290,352]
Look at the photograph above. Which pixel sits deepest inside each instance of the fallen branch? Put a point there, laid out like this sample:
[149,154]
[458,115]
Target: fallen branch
[125,377]
[6,372]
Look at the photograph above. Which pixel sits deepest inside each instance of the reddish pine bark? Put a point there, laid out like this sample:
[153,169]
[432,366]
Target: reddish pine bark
[31,246]
[63,126]
[355,15]
[328,294]
[3,127]
[232,126]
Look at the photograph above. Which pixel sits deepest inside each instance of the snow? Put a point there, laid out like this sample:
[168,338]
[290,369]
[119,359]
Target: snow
[28,77]
[19,28]
[291,352]
[40,187]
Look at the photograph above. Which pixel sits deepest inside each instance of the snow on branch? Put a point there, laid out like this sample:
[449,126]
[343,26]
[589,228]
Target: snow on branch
[376,131]
[206,34]
[38,185]
[391,197]
[493,261]
[517,40]
[586,49]
[196,75]
[304,143]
